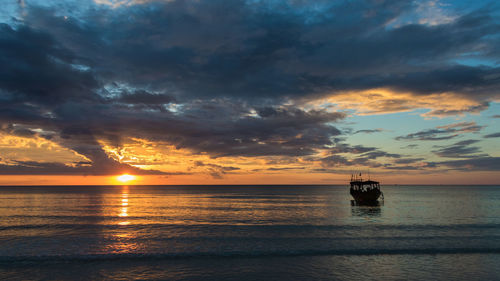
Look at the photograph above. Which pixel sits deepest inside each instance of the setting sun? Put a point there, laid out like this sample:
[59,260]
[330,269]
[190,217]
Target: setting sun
[125,178]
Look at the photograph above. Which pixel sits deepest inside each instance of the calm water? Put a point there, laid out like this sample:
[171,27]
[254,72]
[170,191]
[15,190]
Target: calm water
[248,233]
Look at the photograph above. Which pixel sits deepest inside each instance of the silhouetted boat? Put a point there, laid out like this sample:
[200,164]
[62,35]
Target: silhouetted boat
[365,192]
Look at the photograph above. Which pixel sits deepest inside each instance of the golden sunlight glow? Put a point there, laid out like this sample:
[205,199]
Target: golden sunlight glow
[35,148]
[125,178]
[124,208]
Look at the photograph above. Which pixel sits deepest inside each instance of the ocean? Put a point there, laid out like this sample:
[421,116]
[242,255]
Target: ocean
[248,233]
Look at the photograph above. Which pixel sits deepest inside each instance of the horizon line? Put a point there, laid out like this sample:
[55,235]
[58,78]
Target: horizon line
[123,185]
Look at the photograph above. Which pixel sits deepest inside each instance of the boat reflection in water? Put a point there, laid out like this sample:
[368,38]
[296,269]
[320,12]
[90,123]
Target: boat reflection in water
[372,209]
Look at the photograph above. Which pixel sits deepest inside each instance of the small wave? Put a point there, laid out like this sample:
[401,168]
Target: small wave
[249,225]
[256,254]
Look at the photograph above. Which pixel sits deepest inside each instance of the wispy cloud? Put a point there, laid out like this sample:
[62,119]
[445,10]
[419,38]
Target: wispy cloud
[216,171]
[461,149]
[486,163]
[443,132]
[384,101]
[370,131]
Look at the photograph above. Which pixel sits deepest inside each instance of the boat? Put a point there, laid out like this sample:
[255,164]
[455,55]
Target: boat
[365,192]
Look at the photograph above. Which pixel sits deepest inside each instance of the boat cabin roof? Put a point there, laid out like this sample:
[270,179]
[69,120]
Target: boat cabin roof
[368,182]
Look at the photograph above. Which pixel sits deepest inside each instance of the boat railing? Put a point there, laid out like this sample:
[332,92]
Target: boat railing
[360,185]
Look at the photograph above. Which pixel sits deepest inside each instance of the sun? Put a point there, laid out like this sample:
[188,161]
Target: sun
[125,178]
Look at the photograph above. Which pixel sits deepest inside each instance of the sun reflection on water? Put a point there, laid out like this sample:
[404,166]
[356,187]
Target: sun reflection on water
[122,237]
[124,202]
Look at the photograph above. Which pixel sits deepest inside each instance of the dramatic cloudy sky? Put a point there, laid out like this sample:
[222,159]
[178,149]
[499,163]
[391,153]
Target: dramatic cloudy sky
[249,91]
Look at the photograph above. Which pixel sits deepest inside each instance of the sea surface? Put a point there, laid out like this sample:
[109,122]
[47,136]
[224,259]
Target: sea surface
[248,233]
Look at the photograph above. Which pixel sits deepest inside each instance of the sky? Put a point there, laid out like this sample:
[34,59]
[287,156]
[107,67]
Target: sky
[249,92]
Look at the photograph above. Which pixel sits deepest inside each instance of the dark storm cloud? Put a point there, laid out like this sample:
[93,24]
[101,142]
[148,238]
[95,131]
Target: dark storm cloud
[494,135]
[443,132]
[265,49]
[221,128]
[275,131]
[41,89]
[216,127]
[216,77]
[17,131]
[36,68]
[144,97]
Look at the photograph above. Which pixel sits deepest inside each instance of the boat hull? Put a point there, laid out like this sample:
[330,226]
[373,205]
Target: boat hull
[366,196]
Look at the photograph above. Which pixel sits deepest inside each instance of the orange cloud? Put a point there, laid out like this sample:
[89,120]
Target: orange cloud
[384,101]
[35,149]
